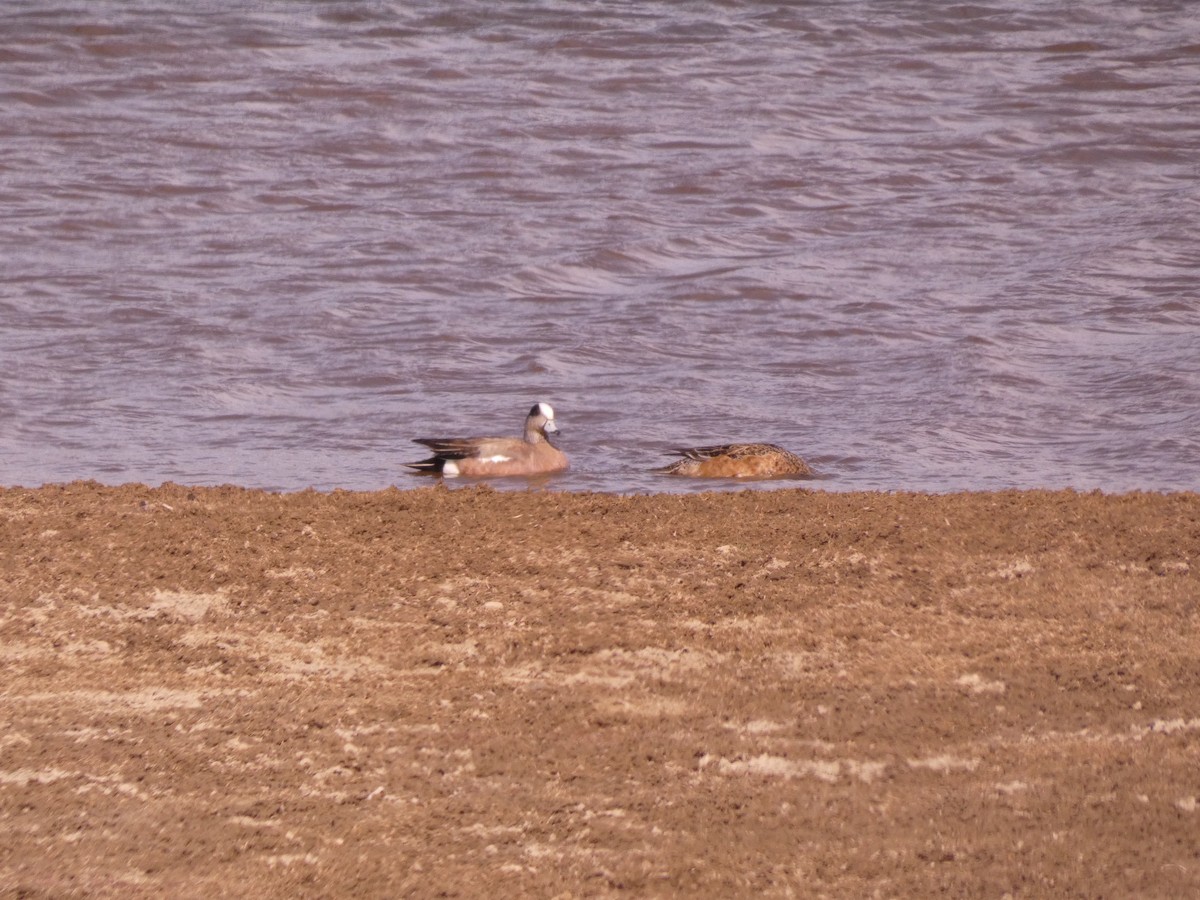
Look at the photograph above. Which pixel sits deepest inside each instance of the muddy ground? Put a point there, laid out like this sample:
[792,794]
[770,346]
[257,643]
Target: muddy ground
[218,692]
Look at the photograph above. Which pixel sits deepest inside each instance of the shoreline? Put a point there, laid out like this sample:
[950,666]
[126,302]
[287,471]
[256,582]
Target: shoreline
[545,486]
[425,690]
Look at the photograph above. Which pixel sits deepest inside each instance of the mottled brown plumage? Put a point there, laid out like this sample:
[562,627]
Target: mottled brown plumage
[737,461]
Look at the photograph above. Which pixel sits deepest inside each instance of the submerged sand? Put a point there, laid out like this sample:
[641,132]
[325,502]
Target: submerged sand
[465,692]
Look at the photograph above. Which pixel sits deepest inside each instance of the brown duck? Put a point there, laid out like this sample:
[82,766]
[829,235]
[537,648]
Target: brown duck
[737,461]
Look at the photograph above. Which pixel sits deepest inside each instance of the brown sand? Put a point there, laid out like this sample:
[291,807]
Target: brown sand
[215,692]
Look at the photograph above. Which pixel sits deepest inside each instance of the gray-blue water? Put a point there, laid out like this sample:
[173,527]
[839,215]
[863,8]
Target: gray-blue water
[925,246]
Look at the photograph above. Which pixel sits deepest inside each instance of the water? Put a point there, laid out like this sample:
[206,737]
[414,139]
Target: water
[925,246]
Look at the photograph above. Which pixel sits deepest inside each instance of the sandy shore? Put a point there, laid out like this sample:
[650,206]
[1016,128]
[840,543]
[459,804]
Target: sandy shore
[463,692]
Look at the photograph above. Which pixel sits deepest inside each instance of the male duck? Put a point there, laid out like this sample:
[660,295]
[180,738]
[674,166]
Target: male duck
[532,454]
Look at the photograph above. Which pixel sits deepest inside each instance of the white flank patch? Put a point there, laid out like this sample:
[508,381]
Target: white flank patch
[449,468]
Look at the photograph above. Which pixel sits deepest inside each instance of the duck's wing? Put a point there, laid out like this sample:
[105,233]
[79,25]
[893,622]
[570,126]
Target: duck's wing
[452,448]
[700,453]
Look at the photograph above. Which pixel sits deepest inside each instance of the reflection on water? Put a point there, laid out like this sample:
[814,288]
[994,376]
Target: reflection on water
[925,247]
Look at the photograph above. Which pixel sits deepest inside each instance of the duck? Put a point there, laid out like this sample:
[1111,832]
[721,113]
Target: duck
[736,461]
[483,457]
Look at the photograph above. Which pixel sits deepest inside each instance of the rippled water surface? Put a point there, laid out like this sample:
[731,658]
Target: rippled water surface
[927,246]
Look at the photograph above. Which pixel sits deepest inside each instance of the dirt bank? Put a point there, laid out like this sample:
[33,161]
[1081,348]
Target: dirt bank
[468,692]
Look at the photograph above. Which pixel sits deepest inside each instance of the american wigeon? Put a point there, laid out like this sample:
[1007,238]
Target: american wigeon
[737,461]
[532,454]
